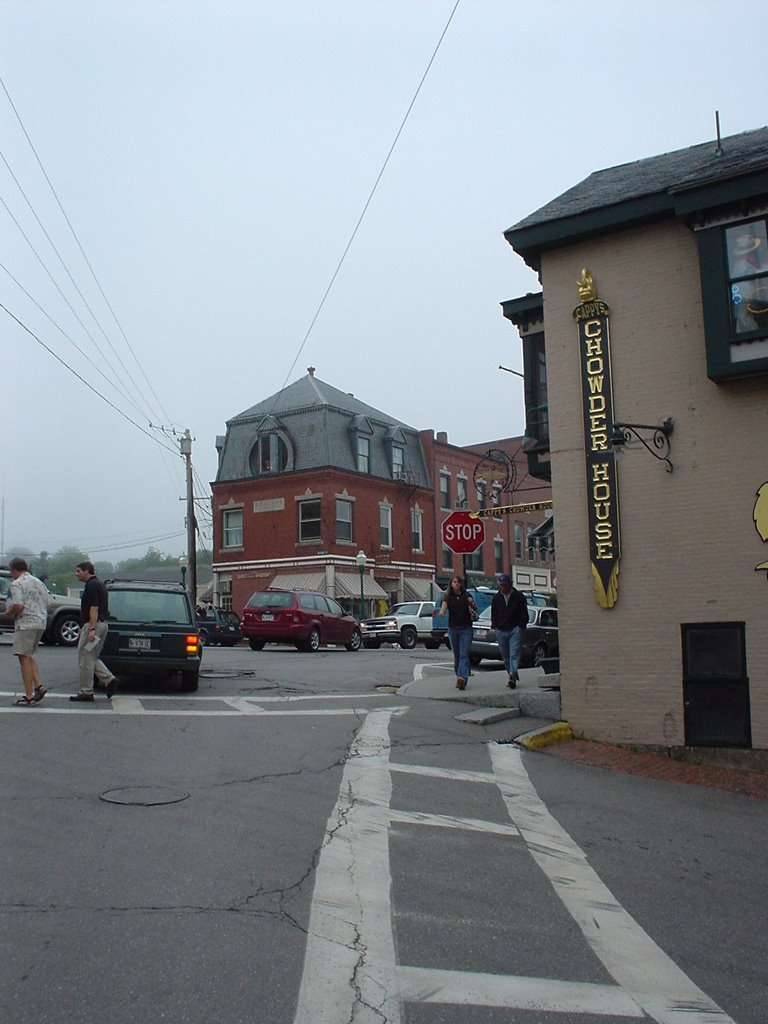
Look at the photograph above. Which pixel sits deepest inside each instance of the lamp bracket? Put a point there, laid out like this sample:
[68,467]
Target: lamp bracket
[657,443]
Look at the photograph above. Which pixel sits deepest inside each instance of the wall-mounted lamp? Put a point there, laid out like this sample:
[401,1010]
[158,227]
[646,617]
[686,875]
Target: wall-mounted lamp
[657,444]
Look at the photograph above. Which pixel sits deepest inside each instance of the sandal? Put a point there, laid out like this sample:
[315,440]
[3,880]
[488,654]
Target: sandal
[24,702]
[40,692]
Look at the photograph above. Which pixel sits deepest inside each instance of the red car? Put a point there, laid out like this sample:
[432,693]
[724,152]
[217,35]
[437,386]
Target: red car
[299,617]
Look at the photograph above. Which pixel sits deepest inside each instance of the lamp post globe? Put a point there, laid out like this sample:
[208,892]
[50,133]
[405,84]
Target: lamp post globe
[361,559]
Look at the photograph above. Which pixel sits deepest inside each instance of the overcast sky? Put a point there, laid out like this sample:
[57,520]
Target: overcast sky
[214,158]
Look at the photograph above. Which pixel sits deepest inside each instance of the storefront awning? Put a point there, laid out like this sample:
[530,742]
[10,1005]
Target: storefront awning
[300,581]
[416,589]
[349,586]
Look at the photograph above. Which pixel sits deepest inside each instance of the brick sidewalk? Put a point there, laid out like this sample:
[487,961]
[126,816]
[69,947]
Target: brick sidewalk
[656,766]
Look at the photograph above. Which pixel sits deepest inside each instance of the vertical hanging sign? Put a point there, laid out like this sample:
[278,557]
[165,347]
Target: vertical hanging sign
[591,315]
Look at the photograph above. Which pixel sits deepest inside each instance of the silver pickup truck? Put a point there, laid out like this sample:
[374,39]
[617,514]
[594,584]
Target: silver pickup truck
[404,624]
[63,615]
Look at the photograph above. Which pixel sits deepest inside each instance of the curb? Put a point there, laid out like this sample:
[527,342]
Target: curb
[558,732]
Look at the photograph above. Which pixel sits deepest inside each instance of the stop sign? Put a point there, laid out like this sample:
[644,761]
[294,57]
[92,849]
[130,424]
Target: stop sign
[462,532]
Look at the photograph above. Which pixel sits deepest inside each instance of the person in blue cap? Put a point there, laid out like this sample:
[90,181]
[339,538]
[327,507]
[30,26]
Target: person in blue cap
[509,617]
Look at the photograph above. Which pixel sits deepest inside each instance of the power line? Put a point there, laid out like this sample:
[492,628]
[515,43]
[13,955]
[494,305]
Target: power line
[82,251]
[84,381]
[368,201]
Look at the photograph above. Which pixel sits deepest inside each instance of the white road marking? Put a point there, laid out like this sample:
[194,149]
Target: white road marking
[350,954]
[422,985]
[443,773]
[451,821]
[629,954]
[350,971]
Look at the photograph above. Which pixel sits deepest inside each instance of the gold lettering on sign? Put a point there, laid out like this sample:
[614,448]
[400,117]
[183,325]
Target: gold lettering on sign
[597,410]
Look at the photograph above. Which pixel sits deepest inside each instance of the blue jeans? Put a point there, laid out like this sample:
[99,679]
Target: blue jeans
[510,642]
[461,641]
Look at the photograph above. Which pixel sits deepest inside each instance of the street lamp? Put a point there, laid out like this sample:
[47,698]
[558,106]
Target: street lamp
[183,567]
[361,560]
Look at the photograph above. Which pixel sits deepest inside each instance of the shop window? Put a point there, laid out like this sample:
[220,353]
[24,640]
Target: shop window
[734,280]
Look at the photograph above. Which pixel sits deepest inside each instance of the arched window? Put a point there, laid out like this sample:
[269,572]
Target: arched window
[269,455]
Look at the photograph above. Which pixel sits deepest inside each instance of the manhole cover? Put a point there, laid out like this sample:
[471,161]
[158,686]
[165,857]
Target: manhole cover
[144,796]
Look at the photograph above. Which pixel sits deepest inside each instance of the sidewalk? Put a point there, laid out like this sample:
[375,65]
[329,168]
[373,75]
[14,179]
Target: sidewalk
[486,688]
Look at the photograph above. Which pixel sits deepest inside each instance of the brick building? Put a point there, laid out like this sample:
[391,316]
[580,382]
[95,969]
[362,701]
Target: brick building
[647,352]
[311,477]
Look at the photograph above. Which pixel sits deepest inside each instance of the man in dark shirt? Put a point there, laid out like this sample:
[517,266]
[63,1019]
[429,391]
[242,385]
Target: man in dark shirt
[509,617]
[94,612]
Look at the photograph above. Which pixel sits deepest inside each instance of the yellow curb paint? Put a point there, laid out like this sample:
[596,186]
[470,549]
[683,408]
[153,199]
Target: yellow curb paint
[560,732]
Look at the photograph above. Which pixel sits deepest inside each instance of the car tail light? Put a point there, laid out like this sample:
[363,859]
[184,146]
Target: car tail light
[192,642]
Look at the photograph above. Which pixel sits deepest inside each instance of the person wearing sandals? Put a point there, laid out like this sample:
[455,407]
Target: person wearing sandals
[29,606]
[462,611]
[94,612]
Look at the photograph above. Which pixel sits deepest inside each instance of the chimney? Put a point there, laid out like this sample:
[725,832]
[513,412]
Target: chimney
[311,371]
[442,437]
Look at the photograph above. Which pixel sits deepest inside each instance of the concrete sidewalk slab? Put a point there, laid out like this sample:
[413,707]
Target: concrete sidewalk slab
[485,688]
[487,716]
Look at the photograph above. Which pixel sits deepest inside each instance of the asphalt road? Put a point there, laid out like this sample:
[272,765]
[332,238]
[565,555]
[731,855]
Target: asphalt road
[293,845]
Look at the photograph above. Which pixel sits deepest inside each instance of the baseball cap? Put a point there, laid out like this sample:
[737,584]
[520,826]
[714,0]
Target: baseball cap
[505,578]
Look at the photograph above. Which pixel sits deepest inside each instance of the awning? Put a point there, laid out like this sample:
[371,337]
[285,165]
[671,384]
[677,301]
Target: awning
[419,589]
[543,529]
[349,586]
[300,581]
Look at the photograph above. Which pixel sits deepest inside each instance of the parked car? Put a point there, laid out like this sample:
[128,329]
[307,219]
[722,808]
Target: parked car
[152,629]
[483,597]
[403,624]
[299,617]
[63,615]
[540,638]
[218,627]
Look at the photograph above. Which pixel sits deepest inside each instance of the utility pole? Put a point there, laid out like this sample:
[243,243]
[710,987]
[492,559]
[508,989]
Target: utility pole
[185,444]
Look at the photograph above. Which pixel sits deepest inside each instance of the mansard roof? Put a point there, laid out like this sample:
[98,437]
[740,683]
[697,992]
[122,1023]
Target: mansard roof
[320,425]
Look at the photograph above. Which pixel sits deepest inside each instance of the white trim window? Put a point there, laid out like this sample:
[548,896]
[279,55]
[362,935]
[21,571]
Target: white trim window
[385,526]
[398,462]
[417,530]
[310,522]
[343,519]
[445,490]
[363,454]
[232,528]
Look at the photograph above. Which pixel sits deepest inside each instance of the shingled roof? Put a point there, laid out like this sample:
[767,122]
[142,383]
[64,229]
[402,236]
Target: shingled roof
[640,191]
[321,423]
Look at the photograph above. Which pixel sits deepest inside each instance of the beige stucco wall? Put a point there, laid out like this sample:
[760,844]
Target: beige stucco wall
[689,544]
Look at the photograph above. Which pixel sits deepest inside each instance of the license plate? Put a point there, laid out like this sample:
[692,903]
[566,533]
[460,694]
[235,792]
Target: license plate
[267,617]
[481,634]
[140,643]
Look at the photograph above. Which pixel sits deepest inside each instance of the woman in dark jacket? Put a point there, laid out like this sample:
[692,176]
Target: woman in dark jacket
[462,610]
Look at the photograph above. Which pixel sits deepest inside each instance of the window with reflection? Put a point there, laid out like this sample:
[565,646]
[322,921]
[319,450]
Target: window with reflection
[747,248]
[269,455]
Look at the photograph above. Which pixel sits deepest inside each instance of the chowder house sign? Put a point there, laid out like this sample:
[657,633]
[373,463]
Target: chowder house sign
[591,315]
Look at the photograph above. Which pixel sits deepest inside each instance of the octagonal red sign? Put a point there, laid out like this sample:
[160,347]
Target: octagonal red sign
[462,532]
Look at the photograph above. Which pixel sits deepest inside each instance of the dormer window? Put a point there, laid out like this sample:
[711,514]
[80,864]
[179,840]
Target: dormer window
[398,462]
[269,455]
